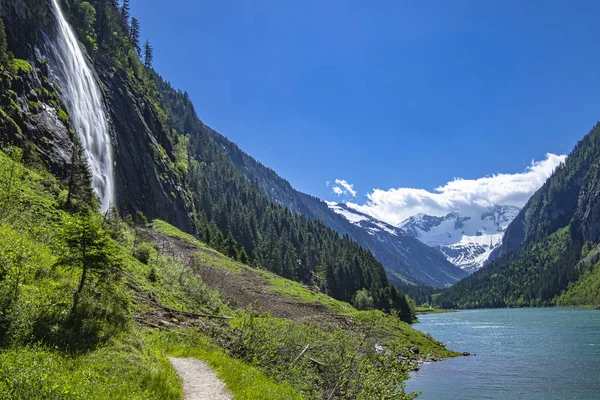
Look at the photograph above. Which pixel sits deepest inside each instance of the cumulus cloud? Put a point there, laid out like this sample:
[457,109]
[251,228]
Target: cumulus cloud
[463,195]
[343,187]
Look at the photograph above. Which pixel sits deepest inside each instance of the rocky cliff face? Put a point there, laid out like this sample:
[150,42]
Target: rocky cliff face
[143,155]
[33,118]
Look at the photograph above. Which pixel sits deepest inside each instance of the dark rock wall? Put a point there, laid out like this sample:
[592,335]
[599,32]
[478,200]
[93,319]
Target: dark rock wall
[142,153]
[141,146]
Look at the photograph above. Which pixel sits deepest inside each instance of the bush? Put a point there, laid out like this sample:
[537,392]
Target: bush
[142,252]
[363,300]
[21,66]
[337,364]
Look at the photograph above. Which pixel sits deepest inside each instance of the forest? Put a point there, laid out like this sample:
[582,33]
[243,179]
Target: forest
[230,213]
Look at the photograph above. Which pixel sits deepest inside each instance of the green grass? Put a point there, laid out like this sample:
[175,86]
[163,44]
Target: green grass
[297,291]
[127,369]
[430,310]
[245,382]
[62,116]
[206,255]
[44,355]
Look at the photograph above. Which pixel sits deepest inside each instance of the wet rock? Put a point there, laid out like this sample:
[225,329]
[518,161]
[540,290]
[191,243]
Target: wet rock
[143,178]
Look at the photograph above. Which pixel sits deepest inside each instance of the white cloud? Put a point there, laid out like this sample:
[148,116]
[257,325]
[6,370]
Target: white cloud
[462,195]
[343,187]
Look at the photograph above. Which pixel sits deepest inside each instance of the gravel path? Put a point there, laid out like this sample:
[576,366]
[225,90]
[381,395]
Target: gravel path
[199,381]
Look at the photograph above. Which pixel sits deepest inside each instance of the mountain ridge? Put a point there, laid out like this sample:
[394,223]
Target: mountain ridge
[553,242]
[466,240]
[404,259]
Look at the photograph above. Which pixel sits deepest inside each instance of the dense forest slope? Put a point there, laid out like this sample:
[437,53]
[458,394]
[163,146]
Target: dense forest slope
[550,245]
[165,161]
[404,258]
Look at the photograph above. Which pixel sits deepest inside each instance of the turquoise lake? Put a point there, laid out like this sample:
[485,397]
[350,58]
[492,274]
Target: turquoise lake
[534,353]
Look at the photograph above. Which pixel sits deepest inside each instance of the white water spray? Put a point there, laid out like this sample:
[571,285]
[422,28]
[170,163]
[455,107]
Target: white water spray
[83,99]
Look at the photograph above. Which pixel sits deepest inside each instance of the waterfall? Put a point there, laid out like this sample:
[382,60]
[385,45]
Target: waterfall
[82,97]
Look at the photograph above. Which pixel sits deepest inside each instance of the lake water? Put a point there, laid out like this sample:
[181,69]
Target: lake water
[534,353]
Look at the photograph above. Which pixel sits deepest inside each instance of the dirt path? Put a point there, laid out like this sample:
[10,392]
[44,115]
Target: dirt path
[243,288]
[199,381]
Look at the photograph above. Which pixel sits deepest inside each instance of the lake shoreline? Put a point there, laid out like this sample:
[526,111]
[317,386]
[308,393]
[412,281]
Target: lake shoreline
[534,353]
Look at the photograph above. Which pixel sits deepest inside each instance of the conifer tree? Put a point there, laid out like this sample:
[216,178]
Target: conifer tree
[148,54]
[134,34]
[80,196]
[90,248]
[125,13]
[3,45]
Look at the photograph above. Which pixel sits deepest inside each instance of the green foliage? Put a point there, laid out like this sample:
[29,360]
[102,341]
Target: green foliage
[51,350]
[242,380]
[80,197]
[89,247]
[143,252]
[134,35]
[234,213]
[129,368]
[530,278]
[21,66]
[322,361]
[3,44]
[363,300]
[233,216]
[148,55]
[544,245]
[295,290]
[180,150]
[35,292]
[35,106]
[62,116]
[585,291]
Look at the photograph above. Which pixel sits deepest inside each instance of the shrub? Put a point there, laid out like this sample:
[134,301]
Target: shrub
[363,300]
[142,252]
[21,66]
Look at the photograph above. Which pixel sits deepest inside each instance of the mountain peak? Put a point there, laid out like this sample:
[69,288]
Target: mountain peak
[406,258]
[466,240]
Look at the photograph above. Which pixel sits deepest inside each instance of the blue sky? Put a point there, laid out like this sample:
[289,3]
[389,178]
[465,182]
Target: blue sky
[384,94]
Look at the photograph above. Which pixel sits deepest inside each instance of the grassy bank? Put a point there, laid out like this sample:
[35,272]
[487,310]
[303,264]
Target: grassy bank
[429,310]
[168,294]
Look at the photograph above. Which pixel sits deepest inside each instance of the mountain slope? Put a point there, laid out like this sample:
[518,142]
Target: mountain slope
[550,243]
[166,165]
[422,262]
[466,240]
[404,258]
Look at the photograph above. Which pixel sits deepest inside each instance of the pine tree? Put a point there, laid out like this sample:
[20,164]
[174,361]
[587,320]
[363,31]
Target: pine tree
[125,13]
[89,248]
[3,45]
[134,34]
[148,54]
[80,196]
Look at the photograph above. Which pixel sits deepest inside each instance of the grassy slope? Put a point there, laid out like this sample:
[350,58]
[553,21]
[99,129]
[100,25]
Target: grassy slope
[585,292]
[251,352]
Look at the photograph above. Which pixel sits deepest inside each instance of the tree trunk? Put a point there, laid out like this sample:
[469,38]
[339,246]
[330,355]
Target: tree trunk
[79,289]
[81,282]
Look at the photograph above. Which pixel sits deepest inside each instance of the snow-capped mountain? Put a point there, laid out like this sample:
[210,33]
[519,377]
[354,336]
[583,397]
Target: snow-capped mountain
[404,257]
[466,240]
[371,225]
